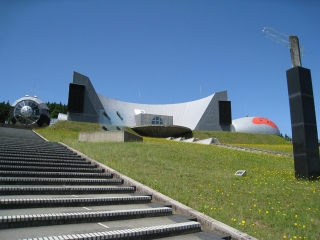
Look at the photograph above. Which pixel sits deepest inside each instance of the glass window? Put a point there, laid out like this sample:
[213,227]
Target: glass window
[157,121]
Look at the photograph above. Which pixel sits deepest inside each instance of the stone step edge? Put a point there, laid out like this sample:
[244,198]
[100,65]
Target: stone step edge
[53,164]
[57,151]
[12,140]
[63,190]
[55,181]
[152,232]
[39,160]
[208,222]
[35,155]
[29,146]
[54,169]
[40,136]
[256,150]
[35,220]
[16,203]
[56,174]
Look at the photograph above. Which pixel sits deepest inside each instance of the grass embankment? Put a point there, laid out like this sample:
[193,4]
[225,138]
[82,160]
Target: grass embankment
[259,141]
[269,203]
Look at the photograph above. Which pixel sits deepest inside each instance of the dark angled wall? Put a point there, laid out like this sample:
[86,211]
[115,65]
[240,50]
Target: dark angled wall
[91,102]
[225,117]
[76,98]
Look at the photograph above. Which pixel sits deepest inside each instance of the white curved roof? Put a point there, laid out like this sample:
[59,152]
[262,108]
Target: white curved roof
[255,125]
[186,114]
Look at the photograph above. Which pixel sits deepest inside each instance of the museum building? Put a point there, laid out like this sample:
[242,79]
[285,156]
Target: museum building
[212,113]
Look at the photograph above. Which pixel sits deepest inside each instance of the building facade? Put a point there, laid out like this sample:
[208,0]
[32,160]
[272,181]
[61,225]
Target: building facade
[212,113]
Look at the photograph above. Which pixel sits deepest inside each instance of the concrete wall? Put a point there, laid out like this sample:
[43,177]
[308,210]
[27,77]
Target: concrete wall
[210,119]
[109,136]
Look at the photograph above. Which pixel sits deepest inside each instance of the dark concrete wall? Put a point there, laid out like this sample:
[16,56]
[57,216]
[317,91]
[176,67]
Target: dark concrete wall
[92,105]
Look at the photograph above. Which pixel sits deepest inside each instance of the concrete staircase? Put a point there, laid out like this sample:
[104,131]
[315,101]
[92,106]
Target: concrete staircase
[48,192]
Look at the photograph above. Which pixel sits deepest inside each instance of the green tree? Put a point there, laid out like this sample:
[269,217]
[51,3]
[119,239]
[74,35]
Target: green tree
[54,113]
[286,137]
[56,108]
[4,112]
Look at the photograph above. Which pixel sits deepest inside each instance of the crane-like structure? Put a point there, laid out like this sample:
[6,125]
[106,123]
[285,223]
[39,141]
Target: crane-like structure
[289,41]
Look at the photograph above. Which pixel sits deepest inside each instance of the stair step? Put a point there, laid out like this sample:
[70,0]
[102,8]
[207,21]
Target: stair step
[20,136]
[53,169]
[58,181]
[153,232]
[41,156]
[17,203]
[30,145]
[26,190]
[41,146]
[28,142]
[58,151]
[33,220]
[55,174]
[46,164]
[76,161]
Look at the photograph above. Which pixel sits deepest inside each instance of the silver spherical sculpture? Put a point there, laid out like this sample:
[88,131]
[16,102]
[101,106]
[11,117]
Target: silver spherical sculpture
[30,111]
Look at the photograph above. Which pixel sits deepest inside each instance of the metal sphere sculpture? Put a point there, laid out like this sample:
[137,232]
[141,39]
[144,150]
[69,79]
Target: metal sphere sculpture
[30,111]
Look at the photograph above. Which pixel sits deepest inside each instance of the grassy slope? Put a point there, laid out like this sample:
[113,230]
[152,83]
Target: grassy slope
[243,138]
[269,203]
[260,141]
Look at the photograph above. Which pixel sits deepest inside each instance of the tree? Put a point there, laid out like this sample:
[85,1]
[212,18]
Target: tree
[286,137]
[56,108]
[4,112]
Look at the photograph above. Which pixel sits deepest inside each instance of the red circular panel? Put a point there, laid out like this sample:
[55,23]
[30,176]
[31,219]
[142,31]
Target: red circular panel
[260,120]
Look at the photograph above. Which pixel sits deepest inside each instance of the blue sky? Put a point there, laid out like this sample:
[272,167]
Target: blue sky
[159,52]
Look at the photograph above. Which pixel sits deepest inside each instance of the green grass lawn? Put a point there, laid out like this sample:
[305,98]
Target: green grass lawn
[249,140]
[269,203]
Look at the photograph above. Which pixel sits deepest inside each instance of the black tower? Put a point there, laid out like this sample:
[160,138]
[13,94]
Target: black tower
[303,123]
